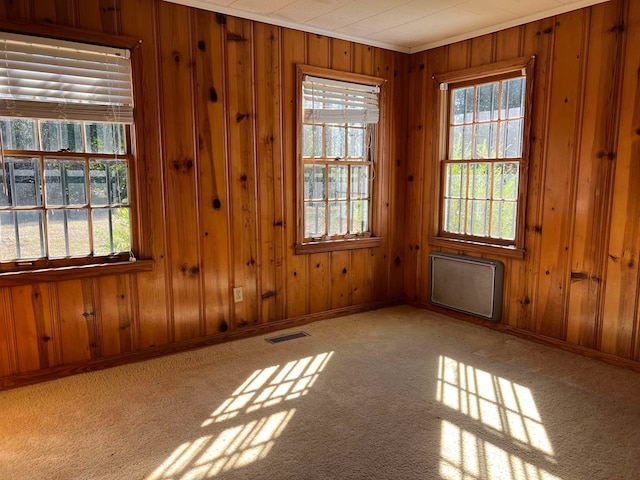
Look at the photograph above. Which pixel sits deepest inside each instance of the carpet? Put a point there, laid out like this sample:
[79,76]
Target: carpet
[397,393]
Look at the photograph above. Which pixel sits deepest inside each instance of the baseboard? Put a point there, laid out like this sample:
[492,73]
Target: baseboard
[61,371]
[532,336]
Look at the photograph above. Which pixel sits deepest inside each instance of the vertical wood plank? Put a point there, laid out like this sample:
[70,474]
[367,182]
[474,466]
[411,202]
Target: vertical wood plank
[90,14]
[600,120]
[340,279]
[559,173]
[243,174]
[396,166]
[76,320]
[293,51]
[483,50]
[621,312]
[213,171]
[415,179]
[7,337]
[519,306]
[182,169]
[115,315]
[140,18]
[270,189]
[319,282]
[33,329]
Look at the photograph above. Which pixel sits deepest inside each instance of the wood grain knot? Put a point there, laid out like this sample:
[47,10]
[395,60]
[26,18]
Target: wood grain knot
[216,204]
[235,37]
[241,116]
[397,260]
[221,20]
[194,271]
[176,57]
[202,46]
[213,95]
[344,270]
[410,178]
[223,327]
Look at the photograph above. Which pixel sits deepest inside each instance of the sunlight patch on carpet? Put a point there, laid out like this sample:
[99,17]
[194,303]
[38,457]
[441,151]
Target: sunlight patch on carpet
[242,430]
[510,426]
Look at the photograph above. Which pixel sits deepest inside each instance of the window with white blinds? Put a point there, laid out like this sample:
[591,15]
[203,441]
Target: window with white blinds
[338,130]
[66,115]
[60,80]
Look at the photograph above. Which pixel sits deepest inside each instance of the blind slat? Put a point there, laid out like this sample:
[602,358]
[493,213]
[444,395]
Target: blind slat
[69,111]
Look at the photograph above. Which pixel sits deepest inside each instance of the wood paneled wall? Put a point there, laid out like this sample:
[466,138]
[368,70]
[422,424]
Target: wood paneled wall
[215,180]
[579,282]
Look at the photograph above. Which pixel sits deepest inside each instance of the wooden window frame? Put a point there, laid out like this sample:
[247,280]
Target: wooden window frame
[346,242]
[44,270]
[474,76]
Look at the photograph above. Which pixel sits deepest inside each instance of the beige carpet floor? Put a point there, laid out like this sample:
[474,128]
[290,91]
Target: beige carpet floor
[398,393]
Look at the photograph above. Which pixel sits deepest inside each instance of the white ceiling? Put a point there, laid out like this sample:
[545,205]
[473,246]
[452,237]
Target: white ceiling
[402,25]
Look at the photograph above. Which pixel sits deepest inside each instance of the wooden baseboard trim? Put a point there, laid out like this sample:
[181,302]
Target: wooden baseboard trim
[62,371]
[533,337]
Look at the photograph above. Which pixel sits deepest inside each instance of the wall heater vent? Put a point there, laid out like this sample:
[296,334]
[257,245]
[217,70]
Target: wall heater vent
[466,284]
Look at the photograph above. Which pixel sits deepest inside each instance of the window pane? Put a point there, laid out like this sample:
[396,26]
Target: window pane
[105,137]
[8,242]
[314,182]
[335,143]
[505,181]
[513,98]
[311,141]
[111,231]
[56,136]
[314,219]
[109,182]
[22,181]
[359,182]
[487,102]
[456,180]
[65,182]
[479,180]
[18,134]
[356,142]
[460,142]
[478,217]
[338,180]
[485,140]
[462,105]
[68,233]
[359,216]
[30,232]
[453,215]
[338,218]
[511,139]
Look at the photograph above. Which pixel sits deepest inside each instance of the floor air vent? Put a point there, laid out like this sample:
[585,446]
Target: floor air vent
[466,284]
[288,336]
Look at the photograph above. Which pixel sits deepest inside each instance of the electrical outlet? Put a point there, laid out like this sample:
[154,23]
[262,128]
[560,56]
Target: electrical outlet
[237,294]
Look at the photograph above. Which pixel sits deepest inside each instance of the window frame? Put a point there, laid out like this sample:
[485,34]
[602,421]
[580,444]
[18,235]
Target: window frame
[84,267]
[371,238]
[475,76]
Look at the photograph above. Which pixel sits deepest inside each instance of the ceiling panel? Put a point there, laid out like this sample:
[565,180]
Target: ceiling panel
[402,25]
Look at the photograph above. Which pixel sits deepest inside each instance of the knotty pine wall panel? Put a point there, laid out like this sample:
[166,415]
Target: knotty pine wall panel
[578,282]
[214,179]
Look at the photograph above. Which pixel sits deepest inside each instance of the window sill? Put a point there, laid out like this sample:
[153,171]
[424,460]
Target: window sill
[477,247]
[337,245]
[25,277]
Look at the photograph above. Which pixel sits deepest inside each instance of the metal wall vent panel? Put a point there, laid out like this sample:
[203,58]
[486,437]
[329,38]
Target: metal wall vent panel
[466,284]
[288,336]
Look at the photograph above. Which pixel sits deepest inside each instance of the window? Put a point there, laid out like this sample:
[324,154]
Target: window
[339,115]
[66,111]
[484,153]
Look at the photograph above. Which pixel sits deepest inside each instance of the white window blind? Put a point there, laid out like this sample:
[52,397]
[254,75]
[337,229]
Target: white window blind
[53,79]
[334,101]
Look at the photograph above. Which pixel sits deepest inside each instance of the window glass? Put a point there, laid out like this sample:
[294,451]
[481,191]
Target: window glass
[485,131]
